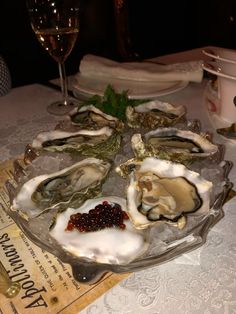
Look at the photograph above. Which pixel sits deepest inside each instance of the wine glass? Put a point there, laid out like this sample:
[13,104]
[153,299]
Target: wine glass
[56,25]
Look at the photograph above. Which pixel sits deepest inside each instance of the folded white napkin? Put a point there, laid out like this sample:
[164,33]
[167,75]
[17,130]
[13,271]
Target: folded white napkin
[95,66]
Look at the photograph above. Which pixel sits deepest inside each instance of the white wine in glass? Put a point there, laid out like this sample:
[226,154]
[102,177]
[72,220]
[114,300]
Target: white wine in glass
[56,25]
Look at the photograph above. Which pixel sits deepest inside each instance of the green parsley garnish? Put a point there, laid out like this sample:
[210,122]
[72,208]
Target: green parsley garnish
[113,103]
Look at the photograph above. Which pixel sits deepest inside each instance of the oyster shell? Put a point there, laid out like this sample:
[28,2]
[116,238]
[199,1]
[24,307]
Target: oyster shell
[173,144]
[68,187]
[109,245]
[161,190]
[228,132]
[103,142]
[153,114]
[91,117]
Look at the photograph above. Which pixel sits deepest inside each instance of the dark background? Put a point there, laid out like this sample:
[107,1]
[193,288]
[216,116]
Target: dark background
[154,28]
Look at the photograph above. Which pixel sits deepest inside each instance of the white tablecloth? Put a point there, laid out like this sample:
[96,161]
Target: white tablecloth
[202,281]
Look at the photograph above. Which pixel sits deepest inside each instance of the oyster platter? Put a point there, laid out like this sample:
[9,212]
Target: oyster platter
[108,193]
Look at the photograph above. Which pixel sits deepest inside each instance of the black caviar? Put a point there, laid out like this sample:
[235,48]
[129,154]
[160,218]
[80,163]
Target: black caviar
[105,215]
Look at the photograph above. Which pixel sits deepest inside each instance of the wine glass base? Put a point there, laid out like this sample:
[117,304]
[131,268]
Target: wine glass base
[58,108]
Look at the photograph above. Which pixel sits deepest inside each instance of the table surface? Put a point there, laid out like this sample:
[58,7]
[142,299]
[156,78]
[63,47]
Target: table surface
[202,281]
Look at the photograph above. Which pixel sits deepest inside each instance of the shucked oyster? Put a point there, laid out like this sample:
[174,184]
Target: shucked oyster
[70,187]
[160,190]
[153,114]
[173,144]
[103,142]
[111,245]
[90,117]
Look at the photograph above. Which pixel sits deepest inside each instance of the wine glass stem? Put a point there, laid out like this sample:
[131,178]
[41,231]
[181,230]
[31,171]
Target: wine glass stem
[7,287]
[64,83]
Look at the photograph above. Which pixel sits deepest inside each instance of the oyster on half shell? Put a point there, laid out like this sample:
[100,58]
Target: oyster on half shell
[153,114]
[161,190]
[109,245]
[90,117]
[68,187]
[173,144]
[102,143]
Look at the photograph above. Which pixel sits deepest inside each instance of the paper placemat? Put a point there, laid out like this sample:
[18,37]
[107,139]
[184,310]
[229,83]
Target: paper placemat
[47,284]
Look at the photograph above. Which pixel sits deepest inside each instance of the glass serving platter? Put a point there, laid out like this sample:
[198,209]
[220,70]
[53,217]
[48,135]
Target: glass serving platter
[165,241]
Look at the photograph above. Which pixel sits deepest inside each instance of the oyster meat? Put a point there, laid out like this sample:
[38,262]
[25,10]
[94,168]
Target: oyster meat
[68,187]
[161,190]
[100,143]
[109,245]
[173,144]
[91,117]
[153,114]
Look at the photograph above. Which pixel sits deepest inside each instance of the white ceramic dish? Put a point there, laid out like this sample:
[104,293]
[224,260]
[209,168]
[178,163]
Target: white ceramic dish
[213,68]
[222,54]
[136,90]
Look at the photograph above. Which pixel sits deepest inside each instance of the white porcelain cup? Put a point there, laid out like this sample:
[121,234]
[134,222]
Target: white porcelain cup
[226,67]
[228,55]
[227,99]
[224,59]
[219,53]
